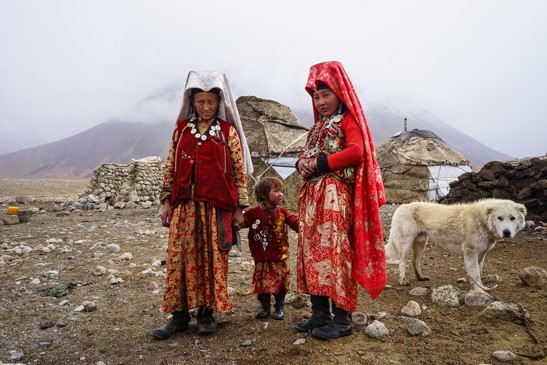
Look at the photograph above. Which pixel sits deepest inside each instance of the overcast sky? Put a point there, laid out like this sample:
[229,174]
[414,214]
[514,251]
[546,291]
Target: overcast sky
[481,66]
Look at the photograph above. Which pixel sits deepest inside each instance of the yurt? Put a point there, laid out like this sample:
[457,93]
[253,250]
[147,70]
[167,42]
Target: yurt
[418,166]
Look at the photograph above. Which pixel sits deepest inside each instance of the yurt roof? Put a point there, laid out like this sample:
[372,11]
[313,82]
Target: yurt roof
[418,147]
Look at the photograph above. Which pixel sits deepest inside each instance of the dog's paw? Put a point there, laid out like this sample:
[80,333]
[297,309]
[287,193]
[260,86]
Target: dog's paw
[483,288]
[404,282]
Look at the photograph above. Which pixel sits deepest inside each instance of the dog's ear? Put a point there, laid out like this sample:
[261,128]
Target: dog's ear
[522,209]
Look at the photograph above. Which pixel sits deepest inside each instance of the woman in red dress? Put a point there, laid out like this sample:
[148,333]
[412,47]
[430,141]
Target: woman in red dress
[340,241]
[203,194]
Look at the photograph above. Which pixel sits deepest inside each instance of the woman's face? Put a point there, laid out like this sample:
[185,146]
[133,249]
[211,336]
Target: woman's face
[206,104]
[326,102]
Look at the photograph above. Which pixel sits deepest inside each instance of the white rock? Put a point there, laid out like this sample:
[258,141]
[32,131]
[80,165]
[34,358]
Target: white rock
[115,281]
[89,306]
[411,309]
[505,311]
[496,279]
[477,298]
[156,263]
[26,250]
[113,247]
[51,274]
[99,270]
[299,341]
[446,296]
[376,330]
[504,356]
[127,256]
[419,291]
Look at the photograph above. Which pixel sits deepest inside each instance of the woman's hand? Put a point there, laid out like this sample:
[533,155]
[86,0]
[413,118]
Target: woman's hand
[166,214]
[238,217]
[307,167]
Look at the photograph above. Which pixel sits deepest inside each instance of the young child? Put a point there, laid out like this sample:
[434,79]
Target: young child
[269,245]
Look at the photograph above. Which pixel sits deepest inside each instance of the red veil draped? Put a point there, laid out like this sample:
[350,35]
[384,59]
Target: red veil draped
[369,259]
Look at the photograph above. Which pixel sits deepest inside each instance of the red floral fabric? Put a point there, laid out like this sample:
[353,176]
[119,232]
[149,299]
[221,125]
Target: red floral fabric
[272,277]
[369,262]
[197,269]
[325,240]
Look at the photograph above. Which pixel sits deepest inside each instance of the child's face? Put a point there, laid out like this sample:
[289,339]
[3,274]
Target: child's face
[275,197]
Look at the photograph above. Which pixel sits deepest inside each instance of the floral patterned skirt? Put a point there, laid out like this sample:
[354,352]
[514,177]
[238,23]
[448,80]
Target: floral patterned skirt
[271,277]
[197,270]
[325,241]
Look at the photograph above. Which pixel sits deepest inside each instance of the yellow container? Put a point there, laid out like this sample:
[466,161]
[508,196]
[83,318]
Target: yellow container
[13,210]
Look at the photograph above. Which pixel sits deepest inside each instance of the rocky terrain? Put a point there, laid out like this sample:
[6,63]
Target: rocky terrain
[85,287]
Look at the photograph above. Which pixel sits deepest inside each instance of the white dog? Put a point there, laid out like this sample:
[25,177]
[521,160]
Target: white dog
[470,229]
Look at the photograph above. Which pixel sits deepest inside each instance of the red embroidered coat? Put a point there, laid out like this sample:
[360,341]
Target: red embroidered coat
[268,238]
[203,168]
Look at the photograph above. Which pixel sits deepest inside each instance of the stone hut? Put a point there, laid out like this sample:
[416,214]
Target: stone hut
[276,138]
[417,165]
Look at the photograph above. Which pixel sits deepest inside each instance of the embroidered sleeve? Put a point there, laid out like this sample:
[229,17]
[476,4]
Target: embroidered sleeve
[169,169]
[238,167]
[353,153]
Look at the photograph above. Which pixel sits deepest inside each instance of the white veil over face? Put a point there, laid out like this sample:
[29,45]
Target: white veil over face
[227,110]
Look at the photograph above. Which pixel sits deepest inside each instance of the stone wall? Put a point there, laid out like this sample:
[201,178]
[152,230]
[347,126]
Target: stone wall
[138,185]
[120,186]
[523,181]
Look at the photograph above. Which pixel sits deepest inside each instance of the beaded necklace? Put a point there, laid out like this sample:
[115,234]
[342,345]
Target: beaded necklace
[312,145]
[213,130]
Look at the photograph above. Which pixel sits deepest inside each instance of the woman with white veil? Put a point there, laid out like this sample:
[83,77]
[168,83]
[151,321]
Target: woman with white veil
[203,194]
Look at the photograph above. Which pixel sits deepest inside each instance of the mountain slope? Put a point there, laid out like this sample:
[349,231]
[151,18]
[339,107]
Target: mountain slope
[146,131]
[77,156]
[385,121]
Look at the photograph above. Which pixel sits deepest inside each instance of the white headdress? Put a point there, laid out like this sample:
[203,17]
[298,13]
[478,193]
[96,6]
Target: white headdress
[227,110]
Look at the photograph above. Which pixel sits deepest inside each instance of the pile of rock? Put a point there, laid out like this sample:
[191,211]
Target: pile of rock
[120,186]
[523,181]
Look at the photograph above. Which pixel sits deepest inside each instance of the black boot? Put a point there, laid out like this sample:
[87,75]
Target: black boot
[339,327]
[178,323]
[320,314]
[279,307]
[206,322]
[264,309]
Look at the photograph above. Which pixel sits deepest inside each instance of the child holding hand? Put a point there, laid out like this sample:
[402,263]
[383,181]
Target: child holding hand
[269,246]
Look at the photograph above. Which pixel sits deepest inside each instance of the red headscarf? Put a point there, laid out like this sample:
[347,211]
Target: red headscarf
[369,259]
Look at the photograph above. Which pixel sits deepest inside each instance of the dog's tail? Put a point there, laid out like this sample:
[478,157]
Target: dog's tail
[391,249]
